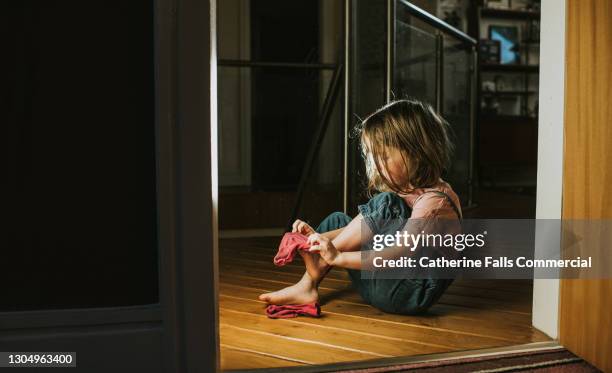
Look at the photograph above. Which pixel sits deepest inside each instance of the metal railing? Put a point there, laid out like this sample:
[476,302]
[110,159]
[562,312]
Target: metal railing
[440,30]
[437,23]
[378,73]
[341,71]
[324,117]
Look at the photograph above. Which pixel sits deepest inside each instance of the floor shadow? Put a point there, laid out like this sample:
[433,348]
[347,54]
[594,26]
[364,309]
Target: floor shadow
[335,295]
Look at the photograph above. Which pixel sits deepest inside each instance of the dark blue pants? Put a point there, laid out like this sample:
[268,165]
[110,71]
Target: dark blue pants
[403,296]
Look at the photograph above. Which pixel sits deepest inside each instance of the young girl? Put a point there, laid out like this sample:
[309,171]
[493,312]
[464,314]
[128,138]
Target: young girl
[406,147]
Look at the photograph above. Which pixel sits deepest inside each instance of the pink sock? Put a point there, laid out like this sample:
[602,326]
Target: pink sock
[293,310]
[291,242]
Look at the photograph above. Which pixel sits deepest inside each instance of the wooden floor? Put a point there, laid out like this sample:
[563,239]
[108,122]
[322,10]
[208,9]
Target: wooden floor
[471,315]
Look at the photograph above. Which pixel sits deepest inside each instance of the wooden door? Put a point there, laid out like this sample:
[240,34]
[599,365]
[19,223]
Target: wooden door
[108,116]
[585,305]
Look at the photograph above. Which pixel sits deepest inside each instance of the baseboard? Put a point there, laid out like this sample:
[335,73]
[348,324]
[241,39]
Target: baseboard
[243,233]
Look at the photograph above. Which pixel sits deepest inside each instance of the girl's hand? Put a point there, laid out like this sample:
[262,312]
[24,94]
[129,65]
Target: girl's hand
[302,227]
[323,245]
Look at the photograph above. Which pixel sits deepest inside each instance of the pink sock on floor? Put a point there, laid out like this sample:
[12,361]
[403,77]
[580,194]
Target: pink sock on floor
[291,242]
[293,310]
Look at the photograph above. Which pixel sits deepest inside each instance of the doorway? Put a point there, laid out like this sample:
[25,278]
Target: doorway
[423,61]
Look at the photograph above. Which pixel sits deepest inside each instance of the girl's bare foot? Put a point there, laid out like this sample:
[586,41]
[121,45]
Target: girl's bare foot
[316,267]
[304,291]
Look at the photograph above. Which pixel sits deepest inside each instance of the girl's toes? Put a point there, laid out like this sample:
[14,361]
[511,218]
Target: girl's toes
[264,297]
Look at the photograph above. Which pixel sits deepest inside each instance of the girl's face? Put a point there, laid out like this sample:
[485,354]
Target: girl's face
[394,168]
[392,165]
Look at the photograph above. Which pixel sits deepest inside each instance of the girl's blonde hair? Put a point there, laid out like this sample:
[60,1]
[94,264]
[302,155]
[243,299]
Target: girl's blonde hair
[420,134]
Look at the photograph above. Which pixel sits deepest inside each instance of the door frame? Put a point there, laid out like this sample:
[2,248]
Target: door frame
[545,312]
[186,83]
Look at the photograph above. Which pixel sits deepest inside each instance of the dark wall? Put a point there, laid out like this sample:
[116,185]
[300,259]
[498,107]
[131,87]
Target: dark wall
[285,100]
[77,120]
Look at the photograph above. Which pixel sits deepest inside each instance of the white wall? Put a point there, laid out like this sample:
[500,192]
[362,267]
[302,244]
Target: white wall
[550,151]
[234,93]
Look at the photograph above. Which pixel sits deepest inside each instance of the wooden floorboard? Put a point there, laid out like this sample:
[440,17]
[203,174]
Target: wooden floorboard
[288,347]
[404,335]
[499,329]
[238,358]
[455,296]
[472,314]
[346,294]
[338,338]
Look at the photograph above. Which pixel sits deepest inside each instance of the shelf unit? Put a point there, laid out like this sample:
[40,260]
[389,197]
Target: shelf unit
[522,69]
[514,68]
[505,141]
[508,13]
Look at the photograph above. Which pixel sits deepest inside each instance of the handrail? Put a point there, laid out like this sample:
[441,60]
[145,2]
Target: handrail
[437,22]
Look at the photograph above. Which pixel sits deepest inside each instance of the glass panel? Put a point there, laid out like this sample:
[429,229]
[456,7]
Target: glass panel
[415,72]
[414,67]
[416,63]
[456,104]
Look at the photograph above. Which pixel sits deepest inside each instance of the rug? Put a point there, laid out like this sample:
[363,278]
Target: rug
[549,361]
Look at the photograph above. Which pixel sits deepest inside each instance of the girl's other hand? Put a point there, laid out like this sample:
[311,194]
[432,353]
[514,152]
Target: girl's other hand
[302,227]
[323,245]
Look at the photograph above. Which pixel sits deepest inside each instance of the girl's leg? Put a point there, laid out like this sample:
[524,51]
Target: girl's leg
[387,213]
[305,290]
[333,221]
[384,213]
[316,267]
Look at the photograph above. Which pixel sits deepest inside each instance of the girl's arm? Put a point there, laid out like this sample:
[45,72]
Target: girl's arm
[328,251]
[333,234]
[343,250]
